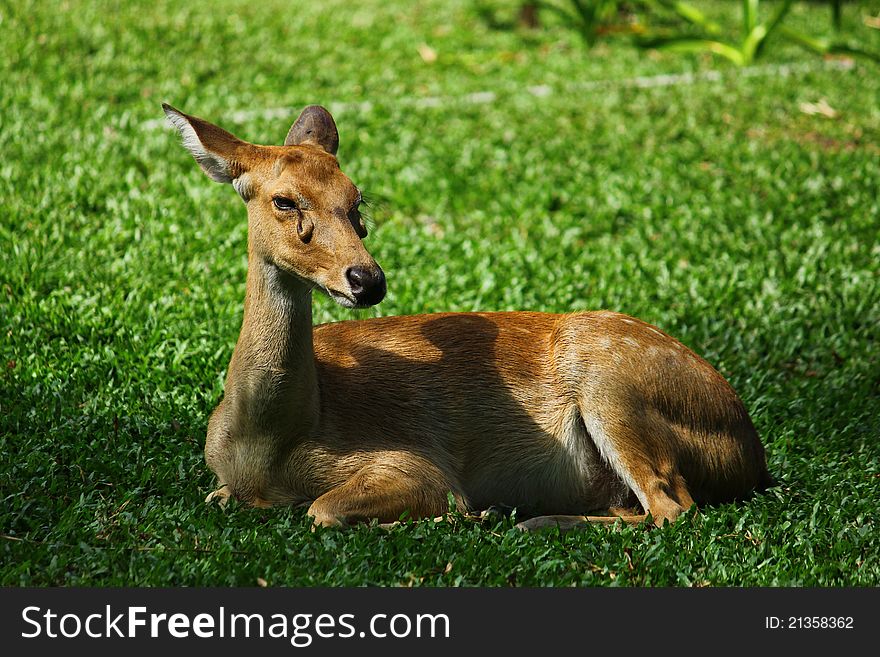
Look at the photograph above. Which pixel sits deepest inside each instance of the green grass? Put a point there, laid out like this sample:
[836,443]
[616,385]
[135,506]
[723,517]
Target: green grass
[718,211]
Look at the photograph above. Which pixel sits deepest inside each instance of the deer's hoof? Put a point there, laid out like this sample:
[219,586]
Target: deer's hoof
[221,496]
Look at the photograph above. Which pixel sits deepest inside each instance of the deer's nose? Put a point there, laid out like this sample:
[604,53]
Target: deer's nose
[367,285]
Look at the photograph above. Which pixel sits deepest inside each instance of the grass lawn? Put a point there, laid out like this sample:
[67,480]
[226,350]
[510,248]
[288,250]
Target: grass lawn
[718,210]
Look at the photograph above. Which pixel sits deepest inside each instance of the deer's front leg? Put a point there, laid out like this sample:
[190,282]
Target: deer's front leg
[386,490]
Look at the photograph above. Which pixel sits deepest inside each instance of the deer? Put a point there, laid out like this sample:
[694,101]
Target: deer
[569,418]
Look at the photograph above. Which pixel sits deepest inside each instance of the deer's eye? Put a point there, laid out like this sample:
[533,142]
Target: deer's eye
[284,204]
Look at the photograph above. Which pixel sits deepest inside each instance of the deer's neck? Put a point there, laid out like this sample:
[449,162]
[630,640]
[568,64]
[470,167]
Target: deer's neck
[272,386]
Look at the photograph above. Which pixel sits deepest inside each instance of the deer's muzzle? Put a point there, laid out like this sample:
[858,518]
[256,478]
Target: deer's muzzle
[367,285]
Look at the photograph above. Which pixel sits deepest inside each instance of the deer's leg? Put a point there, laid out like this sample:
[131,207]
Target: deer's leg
[385,491]
[644,454]
[565,523]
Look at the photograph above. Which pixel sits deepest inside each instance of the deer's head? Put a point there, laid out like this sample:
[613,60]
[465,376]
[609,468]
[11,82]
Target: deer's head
[303,212]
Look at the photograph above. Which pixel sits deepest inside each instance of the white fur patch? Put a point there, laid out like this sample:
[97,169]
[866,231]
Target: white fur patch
[281,295]
[212,164]
[573,439]
[243,186]
[612,456]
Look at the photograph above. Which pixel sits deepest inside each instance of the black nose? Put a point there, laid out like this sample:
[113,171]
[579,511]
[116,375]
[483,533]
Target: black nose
[367,285]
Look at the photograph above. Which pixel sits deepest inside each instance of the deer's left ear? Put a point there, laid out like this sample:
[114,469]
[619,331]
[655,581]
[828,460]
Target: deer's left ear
[221,155]
[314,126]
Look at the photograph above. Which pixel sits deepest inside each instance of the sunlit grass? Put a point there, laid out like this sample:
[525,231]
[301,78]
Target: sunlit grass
[720,210]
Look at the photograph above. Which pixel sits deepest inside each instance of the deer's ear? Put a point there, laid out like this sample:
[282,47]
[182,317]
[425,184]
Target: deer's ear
[314,126]
[220,154]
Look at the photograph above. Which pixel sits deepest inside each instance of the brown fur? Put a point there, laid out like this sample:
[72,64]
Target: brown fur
[552,414]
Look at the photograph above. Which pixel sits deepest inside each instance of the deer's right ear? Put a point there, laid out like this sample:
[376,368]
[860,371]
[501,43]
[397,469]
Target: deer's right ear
[220,154]
[314,126]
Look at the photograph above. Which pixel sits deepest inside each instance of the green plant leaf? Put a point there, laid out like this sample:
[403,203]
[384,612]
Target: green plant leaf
[566,15]
[692,45]
[836,14]
[754,43]
[577,19]
[846,49]
[689,13]
[750,17]
[825,46]
[751,43]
